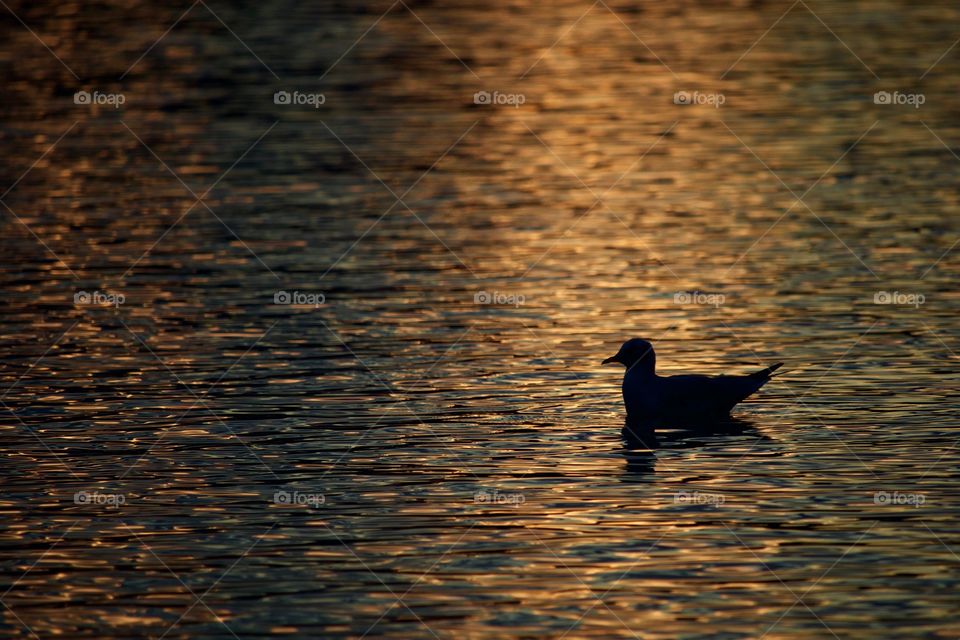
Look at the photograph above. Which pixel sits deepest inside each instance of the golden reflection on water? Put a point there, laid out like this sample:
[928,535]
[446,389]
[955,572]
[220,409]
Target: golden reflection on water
[468,455]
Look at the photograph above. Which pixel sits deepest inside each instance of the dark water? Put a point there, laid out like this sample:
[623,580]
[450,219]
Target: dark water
[404,460]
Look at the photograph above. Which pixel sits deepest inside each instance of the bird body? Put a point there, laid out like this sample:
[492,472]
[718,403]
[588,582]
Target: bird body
[683,400]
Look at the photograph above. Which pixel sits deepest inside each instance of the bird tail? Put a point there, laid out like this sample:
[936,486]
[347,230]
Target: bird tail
[766,373]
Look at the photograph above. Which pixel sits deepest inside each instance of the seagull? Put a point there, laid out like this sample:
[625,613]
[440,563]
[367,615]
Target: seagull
[674,401]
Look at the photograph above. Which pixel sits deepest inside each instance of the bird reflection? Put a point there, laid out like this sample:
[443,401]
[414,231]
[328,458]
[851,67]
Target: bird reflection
[640,442]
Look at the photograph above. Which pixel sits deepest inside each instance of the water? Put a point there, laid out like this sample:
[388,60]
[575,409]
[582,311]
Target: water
[403,461]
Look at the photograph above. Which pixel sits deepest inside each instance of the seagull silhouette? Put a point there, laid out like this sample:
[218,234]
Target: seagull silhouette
[678,401]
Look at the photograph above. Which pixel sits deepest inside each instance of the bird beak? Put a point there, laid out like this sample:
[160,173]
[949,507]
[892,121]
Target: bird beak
[610,359]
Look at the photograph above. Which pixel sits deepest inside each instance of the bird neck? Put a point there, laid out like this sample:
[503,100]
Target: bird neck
[645,367]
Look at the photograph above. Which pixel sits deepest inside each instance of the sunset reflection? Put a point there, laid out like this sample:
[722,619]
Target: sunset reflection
[306,308]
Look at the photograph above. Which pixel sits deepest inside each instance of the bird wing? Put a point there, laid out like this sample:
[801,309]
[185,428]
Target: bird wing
[713,394]
[698,395]
[739,388]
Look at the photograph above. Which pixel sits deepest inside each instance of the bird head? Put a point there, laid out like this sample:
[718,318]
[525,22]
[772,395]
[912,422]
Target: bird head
[634,351]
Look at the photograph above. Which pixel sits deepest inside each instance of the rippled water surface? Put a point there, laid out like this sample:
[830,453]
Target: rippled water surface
[434,451]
